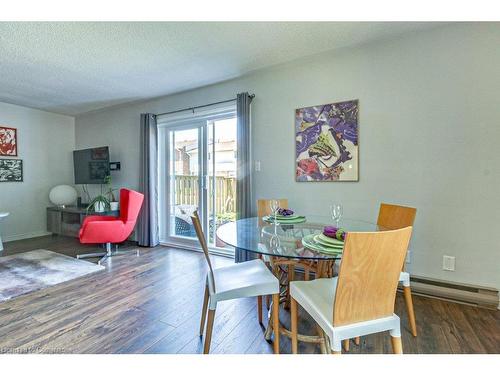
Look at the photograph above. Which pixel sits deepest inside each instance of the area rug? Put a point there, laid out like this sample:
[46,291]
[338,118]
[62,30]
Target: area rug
[34,270]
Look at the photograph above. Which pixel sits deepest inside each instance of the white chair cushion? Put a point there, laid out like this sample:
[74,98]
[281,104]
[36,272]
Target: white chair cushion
[246,279]
[316,297]
[404,277]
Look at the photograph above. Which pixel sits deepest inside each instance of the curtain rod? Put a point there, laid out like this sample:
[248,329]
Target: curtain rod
[201,106]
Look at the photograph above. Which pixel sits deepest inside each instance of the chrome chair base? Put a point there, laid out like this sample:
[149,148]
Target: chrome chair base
[104,255]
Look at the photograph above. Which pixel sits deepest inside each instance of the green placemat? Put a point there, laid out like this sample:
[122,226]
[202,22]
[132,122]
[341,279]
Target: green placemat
[308,241]
[296,220]
[328,241]
[281,217]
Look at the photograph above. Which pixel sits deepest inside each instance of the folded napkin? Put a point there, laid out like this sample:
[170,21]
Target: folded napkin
[334,232]
[285,212]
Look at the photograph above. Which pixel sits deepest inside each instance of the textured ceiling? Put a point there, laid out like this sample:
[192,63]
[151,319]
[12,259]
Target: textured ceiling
[72,68]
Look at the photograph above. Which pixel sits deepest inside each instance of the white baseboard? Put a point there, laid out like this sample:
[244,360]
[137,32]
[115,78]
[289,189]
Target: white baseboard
[23,236]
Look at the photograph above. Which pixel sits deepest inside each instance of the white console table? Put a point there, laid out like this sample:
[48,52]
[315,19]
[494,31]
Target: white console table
[2,215]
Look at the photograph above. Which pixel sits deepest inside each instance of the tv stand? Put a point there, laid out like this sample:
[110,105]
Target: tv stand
[67,221]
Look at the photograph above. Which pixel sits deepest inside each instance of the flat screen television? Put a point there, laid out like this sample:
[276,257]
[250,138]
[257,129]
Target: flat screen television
[91,165]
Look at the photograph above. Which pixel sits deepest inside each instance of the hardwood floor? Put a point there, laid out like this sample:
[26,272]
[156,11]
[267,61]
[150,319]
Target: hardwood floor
[151,303]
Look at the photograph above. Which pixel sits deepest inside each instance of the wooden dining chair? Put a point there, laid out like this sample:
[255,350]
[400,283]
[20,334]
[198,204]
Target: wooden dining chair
[264,209]
[392,216]
[239,280]
[264,206]
[360,301]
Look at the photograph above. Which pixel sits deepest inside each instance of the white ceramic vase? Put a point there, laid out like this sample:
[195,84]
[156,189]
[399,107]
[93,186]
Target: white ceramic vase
[99,207]
[114,206]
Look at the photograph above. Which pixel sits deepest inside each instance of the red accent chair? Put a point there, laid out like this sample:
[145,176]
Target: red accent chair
[110,229]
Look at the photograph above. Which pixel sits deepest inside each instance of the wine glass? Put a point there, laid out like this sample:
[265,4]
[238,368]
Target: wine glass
[336,211]
[274,205]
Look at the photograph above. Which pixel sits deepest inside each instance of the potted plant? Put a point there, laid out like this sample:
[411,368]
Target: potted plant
[100,203]
[113,203]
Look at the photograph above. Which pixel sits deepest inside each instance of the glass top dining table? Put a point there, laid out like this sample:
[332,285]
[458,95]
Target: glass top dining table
[285,240]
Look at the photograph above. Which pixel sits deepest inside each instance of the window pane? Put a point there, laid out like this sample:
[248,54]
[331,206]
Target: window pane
[184,181]
[222,172]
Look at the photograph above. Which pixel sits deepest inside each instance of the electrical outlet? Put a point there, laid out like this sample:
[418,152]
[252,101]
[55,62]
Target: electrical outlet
[448,263]
[408,257]
[257,166]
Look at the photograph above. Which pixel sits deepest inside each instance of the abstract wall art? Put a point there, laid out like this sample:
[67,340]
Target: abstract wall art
[11,170]
[8,141]
[326,141]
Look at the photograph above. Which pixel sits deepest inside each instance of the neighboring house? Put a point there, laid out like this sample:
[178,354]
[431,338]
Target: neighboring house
[186,158]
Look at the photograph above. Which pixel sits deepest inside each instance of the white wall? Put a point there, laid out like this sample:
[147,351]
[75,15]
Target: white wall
[429,113]
[45,144]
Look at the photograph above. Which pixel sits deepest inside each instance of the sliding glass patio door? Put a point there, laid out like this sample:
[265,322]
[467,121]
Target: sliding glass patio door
[221,176]
[185,178]
[197,172]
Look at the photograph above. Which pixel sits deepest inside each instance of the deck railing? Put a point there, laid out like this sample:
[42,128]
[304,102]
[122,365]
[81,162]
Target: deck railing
[187,192]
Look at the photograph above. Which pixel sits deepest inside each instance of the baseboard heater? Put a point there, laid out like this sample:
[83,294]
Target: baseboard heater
[456,292]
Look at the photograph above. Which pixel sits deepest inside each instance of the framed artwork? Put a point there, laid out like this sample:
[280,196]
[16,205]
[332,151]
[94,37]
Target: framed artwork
[8,141]
[326,142]
[11,170]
